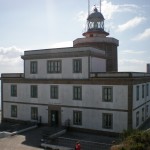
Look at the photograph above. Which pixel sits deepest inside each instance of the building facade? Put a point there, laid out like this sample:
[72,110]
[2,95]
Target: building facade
[79,85]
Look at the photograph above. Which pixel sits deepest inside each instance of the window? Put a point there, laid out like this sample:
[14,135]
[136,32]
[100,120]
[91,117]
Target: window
[54,91]
[147,113]
[14,90]
[142,114]
[33,67]
[143,91]
[107,121]
[107,94]
[147,89]
[77,93]
[54,66]
[34,91]
[77,117]
[137,93]
[13,111]
[34,113]
[77,65]
[137,118]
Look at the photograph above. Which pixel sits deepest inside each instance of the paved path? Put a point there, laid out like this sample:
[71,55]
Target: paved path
[31,140]
[27,141]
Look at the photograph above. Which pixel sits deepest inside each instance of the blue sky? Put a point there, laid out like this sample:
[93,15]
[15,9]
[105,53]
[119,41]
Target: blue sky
[39,24]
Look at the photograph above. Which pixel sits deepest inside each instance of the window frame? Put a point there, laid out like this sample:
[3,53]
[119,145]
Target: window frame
[147,112]
[147,89]
[34,91]
[54,66]
[14,111]
[107,123]
[54,92]
[77,117]
[137,92]
[106,94]
[143,114]
[77,92]
[33,67]
[34,113]
[14,90]
[137,119]
[77,65]
[143,90]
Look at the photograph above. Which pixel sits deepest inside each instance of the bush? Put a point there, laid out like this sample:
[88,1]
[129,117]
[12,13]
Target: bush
[135,140]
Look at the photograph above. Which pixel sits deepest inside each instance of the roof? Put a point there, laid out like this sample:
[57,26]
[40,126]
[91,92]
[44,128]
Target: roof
[95,16]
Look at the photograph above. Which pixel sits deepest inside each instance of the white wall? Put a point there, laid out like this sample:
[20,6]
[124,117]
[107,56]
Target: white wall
[91,95]
[24,112]
[139,104]
[67,69]
[92,119]
[97,64]
[91,104]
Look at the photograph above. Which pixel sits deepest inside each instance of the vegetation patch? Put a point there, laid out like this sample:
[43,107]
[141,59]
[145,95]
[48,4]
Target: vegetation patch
[134,140]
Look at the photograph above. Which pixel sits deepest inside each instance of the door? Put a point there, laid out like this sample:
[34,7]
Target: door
[54,118]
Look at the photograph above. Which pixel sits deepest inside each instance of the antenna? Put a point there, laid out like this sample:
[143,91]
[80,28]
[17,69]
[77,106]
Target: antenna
[88,7]
[100,5]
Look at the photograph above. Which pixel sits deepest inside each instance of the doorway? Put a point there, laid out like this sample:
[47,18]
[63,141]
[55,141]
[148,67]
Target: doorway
[54,118]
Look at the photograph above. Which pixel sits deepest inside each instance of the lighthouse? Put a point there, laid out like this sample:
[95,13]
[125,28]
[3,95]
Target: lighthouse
[96,36]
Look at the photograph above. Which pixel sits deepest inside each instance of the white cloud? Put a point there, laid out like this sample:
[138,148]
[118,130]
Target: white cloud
[112,8]
[10,60]
[131,24]
[62,44]
[132,65]
[142,36]
[109,9]
[10,52]
[132,61]
[133,52]
[82,16]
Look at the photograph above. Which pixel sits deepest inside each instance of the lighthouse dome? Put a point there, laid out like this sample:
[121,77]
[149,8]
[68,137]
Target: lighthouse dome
[95,16]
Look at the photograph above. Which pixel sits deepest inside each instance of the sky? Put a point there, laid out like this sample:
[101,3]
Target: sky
[39,24]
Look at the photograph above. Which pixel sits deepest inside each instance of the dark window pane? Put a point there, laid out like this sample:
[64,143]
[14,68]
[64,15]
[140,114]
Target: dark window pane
[13,111]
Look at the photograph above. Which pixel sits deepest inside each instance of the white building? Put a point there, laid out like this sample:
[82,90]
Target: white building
[80,84]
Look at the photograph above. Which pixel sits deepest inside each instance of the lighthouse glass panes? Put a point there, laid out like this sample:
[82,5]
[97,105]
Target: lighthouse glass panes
[95,21]
[96,25]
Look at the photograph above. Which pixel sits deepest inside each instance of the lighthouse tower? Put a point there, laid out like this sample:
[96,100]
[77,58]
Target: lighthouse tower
[96,36]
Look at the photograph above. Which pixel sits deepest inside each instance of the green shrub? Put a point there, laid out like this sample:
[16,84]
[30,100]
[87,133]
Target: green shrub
[135,140]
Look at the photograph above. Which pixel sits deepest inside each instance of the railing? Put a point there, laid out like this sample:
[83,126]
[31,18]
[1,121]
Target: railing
[118,74]
[12,75]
